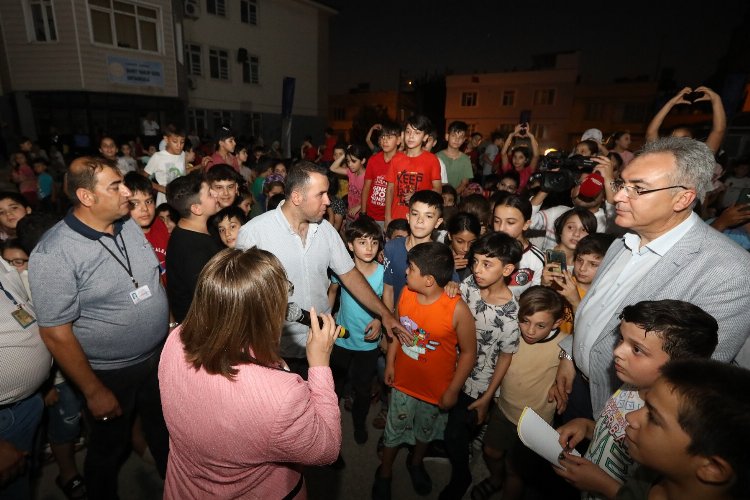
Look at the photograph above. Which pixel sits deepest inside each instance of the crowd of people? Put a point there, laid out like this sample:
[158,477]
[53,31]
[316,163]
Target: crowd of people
[209,308]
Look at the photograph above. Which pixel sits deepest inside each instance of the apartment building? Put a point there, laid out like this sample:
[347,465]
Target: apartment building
[88,67]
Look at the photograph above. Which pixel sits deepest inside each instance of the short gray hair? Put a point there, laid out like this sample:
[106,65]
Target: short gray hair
[694,162]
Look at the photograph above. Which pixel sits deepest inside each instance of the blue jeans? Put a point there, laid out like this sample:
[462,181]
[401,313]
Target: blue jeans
[64,417]
[18,425]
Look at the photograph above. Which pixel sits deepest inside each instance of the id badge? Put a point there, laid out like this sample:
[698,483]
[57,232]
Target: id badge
[140,294]
[23,317]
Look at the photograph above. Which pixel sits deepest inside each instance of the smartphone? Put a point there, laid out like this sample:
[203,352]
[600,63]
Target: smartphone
[744,197]
[557,257]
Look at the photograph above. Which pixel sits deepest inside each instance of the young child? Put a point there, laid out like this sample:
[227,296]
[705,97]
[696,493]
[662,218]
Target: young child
[512,216]
[14,255]
[520,159]
[125,162]
[224,150]
[13,207]
[463,229]
[425,375]
[262,170]
[357,355]
[526,383]
[143,211]
[227,223]
[108,148]
[224,181]
[168,215]
[46,189]
[508,182]
[425,214]
[457,164]
[691,436]
[478,205]
[356,157]
[23,176]
[165,166]
[418,170]
[246,201]
[570,228]
[652,333]
[398,228]
[190,244]
[493,258]
[375,186]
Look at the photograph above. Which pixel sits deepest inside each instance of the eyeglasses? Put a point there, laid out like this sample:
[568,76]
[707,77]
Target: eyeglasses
[17,262]
[633,192]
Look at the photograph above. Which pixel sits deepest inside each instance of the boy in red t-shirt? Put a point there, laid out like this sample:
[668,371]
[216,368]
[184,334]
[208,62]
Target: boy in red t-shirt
[143,211]
[424,374]
[374,190]
[416,171]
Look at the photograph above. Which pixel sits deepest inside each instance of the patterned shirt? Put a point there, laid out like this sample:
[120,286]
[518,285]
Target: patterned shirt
[497,332]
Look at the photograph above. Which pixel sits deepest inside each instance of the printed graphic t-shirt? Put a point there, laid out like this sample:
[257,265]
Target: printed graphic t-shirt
[409,175]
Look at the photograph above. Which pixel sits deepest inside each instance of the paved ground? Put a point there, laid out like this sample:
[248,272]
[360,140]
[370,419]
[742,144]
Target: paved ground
[139,480]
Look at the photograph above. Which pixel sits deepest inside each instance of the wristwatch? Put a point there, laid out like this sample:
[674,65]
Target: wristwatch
[564,355]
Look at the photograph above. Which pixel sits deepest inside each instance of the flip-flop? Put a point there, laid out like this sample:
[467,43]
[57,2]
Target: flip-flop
[74,489]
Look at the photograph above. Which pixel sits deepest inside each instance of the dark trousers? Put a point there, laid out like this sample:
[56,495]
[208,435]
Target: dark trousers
[579,401]
[362,365]
[458,435]
[137,390]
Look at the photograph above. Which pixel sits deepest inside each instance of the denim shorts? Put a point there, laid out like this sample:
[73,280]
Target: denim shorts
[410,420]
[64,417]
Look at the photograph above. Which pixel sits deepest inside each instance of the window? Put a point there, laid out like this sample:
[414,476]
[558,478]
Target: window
[249,12]
[544,97]
[538,130]
[594,111]
[198,120]
[193,59]
[125,25]
[508,98]
[218,62]
[339,113]
[222,118]
[468,99]
[42,28]
[216,7]
[251,70]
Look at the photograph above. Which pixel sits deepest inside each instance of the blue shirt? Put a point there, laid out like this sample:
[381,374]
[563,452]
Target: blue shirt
[354,317]
[45,185]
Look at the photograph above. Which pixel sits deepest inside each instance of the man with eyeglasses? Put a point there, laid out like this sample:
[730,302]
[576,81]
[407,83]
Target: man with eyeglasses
[667,253]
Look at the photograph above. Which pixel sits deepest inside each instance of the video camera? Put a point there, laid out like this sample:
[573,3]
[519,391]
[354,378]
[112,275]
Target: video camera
[558,173]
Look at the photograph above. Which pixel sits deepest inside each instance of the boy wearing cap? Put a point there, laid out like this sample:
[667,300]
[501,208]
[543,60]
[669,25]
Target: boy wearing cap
[165,166]
[224,153]
[592,191]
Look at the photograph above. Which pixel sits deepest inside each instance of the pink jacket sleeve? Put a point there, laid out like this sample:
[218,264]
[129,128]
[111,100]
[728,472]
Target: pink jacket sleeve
[307,428]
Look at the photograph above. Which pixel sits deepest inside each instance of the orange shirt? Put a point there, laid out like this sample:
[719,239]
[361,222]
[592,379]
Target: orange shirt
[425,369]
[408,175]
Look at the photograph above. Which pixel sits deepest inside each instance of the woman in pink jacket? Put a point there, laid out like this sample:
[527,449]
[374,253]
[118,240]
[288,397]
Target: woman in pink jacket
[240,424]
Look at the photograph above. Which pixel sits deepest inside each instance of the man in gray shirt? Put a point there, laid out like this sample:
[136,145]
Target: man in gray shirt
[103,315]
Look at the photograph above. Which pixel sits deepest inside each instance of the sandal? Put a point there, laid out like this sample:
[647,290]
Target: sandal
[484,490]
[74,489]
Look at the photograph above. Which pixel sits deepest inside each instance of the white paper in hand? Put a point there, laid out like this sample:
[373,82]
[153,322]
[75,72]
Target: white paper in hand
[540,437]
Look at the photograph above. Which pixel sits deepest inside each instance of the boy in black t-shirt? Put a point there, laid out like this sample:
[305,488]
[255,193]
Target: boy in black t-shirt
[190,245]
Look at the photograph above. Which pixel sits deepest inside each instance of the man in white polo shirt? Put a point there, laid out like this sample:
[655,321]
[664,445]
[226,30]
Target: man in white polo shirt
[307,245]
[669,253]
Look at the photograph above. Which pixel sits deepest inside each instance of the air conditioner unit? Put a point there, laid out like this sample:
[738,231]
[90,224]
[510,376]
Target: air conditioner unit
[192,9]
[192,83]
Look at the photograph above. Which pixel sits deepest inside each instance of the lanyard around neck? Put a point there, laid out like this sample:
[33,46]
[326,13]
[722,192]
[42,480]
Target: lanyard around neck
[124,252]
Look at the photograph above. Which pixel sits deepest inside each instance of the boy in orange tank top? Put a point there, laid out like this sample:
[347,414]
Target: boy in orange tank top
[424,374]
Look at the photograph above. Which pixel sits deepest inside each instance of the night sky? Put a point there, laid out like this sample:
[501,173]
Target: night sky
[371,41]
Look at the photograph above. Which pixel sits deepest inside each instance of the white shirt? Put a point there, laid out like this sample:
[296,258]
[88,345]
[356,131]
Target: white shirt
[306,265]
[604,298]
[165,167]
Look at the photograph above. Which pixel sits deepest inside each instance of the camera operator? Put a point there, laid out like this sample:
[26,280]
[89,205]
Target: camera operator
[592,190]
